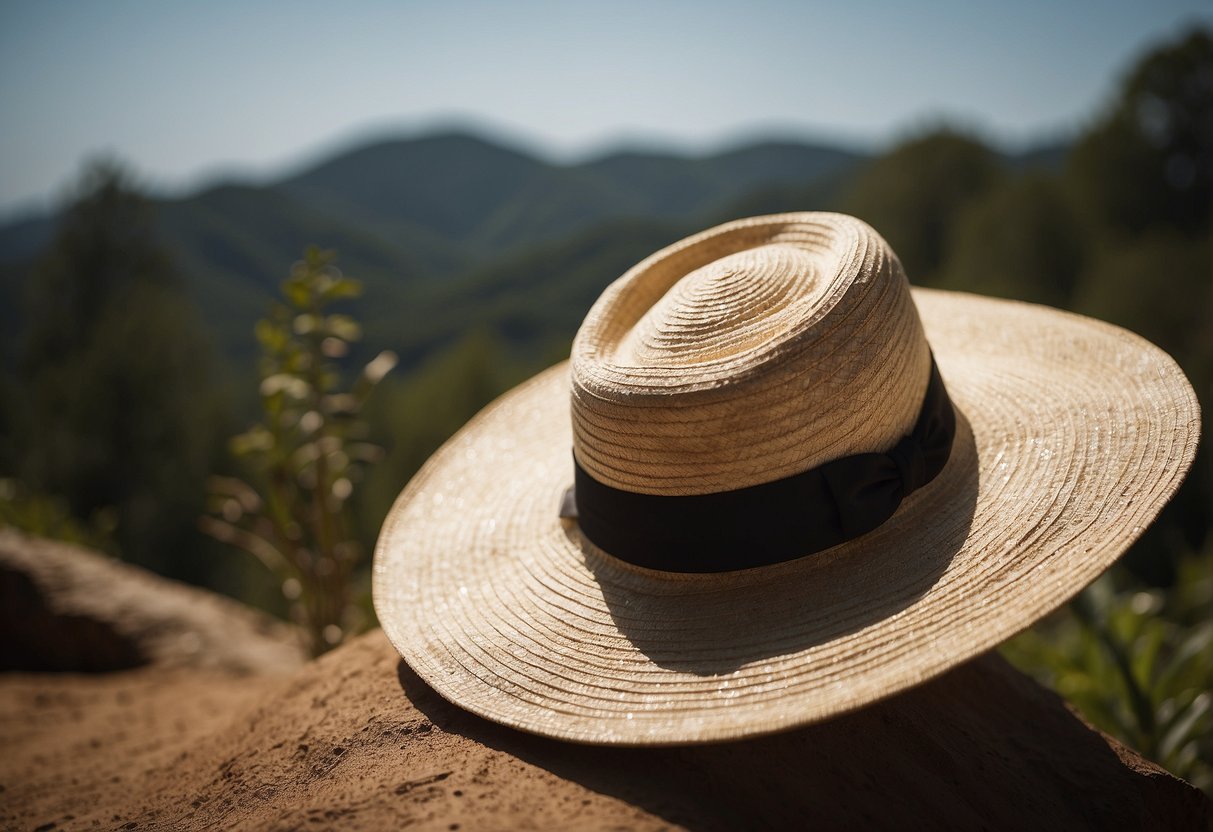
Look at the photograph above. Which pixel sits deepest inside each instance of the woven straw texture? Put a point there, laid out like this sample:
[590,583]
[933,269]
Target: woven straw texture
[745,354]
[1072,434]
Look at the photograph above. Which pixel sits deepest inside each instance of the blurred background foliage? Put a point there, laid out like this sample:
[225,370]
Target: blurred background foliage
[128,348]
[1137,662]
[111,404]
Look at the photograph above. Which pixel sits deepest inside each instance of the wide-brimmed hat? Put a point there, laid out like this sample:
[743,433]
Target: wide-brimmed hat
[773,484]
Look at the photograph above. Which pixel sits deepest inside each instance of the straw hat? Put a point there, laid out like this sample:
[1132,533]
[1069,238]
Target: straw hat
[801,486]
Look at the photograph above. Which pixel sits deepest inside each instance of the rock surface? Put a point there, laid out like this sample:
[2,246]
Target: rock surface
[65,608]
[356,740]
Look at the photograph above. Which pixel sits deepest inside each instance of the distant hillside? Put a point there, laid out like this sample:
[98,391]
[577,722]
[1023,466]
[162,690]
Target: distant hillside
[406,213]
[490,199]
[452,229]
[530,300]
[448,185]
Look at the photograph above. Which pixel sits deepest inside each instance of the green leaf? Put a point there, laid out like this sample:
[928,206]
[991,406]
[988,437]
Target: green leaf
[342,326]
[307,323]
[339,403]
[253,440]
[270,335]
[1186,725]
[297,292]
[1193,653]
[290,385]
[379,366]
[341,289]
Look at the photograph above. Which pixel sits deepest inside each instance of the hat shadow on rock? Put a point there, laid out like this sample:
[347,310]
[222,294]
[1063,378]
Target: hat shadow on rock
[982,745]
[769,611]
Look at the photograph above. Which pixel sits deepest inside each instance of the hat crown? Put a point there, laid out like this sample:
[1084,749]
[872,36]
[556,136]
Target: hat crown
[748,353]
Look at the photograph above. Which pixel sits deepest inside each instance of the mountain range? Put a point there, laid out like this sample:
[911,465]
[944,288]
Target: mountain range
[453,230]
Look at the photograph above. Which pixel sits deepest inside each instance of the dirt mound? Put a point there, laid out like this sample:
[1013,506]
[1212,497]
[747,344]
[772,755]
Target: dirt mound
[65,608]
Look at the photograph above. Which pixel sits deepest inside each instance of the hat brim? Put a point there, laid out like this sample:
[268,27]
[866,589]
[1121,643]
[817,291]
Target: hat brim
[1072,435]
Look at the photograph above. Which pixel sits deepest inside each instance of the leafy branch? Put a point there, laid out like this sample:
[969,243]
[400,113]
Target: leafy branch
[306,454]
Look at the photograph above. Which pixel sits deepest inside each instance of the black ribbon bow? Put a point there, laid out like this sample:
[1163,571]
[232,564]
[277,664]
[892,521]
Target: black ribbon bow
[771,522]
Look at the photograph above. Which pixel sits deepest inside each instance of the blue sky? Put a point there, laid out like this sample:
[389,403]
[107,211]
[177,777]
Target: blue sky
[184,91]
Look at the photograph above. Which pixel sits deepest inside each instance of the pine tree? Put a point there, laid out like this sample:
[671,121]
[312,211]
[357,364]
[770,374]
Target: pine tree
[115,370]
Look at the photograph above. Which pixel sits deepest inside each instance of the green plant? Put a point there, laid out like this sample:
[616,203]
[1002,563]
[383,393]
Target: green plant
[1137,663]
[306,454]
[47,516]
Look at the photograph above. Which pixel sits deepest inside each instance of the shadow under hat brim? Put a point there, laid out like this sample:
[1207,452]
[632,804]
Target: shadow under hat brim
[1072,435]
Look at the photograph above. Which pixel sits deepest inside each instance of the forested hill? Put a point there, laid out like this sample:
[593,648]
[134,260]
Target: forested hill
[487,199]
[410,211]
[451,222]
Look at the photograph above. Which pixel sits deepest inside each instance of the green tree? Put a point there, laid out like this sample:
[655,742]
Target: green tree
[119,408]
[1142,177]
[914,194]
[1019,240]
[1149,160]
